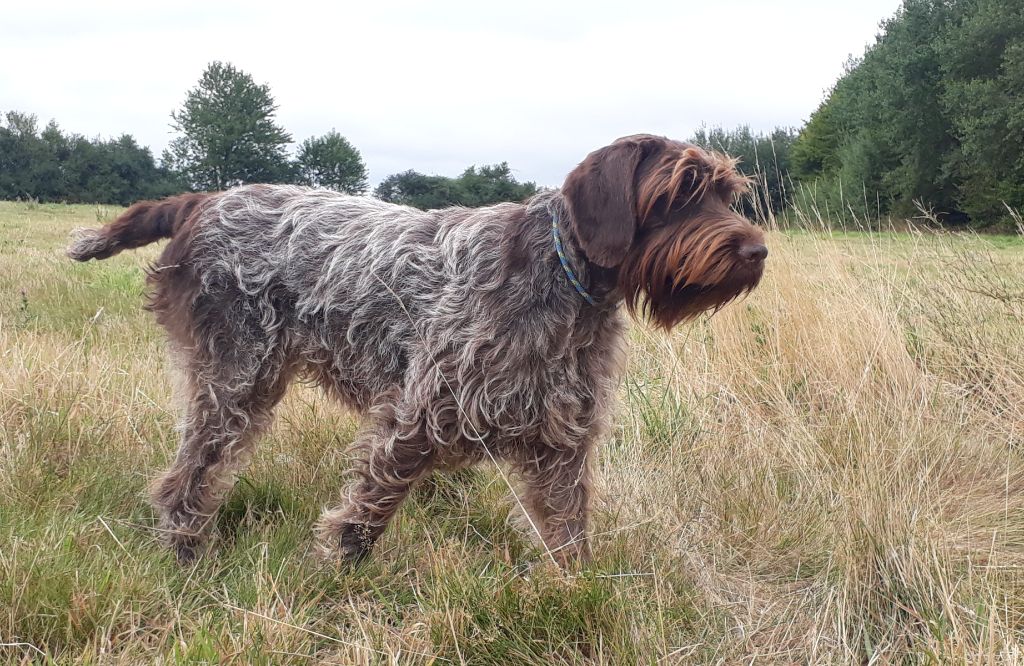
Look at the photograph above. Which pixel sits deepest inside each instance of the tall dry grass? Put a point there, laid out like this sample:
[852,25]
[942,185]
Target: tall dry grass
[827,472]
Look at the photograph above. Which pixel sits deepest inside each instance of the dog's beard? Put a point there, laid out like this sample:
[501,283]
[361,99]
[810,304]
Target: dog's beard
[673,277]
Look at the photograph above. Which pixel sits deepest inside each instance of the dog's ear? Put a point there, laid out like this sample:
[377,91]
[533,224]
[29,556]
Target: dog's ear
[601,196]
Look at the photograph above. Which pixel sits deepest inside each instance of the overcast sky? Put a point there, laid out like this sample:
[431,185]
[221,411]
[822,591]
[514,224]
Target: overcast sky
[436,86]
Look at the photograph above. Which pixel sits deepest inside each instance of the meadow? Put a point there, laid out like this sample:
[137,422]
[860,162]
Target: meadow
[830,471]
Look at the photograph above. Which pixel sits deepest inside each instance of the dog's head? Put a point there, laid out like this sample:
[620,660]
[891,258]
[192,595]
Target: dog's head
[658,214]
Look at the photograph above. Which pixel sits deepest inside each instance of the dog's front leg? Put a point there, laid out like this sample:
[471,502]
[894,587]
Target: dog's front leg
[388,464]
[557,496]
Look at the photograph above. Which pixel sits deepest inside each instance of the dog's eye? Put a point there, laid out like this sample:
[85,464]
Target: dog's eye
[654,222]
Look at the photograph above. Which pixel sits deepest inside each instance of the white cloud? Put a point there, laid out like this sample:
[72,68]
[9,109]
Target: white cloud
[441,85]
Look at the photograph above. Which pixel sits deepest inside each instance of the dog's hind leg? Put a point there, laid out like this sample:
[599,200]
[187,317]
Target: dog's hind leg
[390,459]
[221,423]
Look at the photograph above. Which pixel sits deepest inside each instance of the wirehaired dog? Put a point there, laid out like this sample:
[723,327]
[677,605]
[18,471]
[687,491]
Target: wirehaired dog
[459,335]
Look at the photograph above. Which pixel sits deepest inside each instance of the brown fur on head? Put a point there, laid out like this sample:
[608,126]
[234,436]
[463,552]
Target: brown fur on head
[657,213]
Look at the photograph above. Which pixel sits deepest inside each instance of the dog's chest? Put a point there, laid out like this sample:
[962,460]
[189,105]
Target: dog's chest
[552,389]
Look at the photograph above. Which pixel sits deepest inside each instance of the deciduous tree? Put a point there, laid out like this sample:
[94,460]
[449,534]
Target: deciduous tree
[227,133]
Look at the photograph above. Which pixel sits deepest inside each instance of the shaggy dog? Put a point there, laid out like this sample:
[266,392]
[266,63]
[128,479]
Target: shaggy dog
[459,335]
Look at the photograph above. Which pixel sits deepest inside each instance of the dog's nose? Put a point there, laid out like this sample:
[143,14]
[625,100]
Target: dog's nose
[756,252]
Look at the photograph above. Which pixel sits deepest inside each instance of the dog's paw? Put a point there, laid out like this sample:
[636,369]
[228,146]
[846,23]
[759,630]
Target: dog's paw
[186,553]
[187,544]
[357,539]
[349,542]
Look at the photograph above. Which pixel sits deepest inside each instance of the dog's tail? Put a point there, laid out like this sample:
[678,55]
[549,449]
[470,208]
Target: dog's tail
[143,223]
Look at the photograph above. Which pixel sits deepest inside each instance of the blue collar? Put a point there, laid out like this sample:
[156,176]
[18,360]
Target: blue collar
[565,263]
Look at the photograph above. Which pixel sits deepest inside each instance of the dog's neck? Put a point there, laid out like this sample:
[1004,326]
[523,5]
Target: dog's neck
[566,264]
[596,285]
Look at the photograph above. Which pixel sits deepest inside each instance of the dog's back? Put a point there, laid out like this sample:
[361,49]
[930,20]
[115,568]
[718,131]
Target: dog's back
[349,289]
[329,281]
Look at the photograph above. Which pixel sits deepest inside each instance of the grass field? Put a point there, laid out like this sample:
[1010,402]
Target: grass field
[828,472]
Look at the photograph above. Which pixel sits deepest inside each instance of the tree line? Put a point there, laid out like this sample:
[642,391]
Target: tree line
[51,165]
[226,135]
[932,115]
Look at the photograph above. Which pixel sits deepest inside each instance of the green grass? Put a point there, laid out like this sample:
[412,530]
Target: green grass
[827,472]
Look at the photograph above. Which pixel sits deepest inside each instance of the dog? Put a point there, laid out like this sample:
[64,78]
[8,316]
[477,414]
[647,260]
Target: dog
[459,335]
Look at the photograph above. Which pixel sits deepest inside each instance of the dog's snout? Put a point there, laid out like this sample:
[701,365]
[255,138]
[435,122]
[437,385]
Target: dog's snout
[754,252]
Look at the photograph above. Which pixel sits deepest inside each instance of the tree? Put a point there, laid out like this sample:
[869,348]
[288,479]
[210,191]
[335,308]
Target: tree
[491,184]
[934,111]
[228,134]
[51,173]
[982,62]
[475,187]
[117,171]
[331,161]
[412,188]
[763,157]
[23,157]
